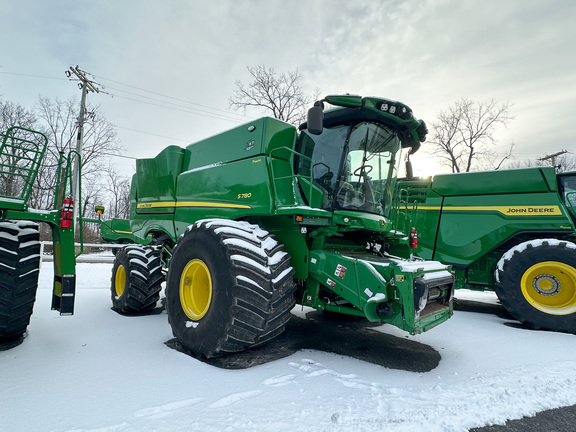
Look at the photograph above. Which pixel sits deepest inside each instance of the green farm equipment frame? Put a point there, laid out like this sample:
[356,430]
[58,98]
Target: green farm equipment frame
[21,153]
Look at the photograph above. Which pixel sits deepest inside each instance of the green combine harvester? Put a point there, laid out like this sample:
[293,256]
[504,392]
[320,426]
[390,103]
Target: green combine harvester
[511,231]
[243,225]
[251,220]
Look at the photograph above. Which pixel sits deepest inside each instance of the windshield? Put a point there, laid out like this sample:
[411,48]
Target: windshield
[356,166]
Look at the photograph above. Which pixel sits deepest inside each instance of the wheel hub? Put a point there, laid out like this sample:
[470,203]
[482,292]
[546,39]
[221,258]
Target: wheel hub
[550,287]
[195,289]
[546,285]
[120,280]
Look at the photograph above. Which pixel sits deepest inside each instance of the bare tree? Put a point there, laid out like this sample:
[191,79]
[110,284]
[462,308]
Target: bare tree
[93,191]
[282,95]
[562,163]
[566,162]
[463,135]
[118,189]
[99,142]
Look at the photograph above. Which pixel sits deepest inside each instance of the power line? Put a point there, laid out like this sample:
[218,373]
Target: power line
[150,133]
[188,111]
[33,76]
[195,110]
[171,97]
[120,156]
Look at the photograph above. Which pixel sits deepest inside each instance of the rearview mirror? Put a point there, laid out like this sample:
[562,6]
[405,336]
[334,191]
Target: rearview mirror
[316,118]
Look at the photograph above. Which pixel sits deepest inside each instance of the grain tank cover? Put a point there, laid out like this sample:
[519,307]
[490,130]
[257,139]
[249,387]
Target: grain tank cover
[155,179]
[498,182]
[258,137]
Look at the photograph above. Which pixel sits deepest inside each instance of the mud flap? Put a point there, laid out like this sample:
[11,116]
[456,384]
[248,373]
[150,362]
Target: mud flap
[63,294]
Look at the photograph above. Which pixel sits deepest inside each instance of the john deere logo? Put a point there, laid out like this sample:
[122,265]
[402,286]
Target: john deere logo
[250,145]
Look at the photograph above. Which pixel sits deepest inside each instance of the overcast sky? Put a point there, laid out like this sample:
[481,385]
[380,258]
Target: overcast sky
[425,53]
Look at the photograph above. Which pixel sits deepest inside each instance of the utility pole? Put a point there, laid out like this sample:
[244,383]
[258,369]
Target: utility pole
[553,157]
[86,86]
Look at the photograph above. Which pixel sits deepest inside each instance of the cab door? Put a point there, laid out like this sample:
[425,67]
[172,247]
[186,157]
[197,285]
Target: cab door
[567,190]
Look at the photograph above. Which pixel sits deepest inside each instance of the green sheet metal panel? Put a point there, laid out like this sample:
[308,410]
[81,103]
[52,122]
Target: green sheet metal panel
[233,190]
[470,226]
[496,182]
[258,137]
[155,181]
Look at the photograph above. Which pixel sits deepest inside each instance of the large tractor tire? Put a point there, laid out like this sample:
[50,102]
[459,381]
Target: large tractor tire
[536,283]
[19,267]
[230,287]
[136,280]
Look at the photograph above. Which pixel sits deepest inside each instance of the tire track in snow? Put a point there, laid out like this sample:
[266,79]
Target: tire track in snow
[166,410]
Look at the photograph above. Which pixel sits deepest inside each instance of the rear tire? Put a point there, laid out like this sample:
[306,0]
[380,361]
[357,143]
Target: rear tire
[20,265]
[536,283]
[136,280]
[229,288]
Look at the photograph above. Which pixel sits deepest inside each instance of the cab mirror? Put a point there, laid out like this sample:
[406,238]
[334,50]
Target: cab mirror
[316,118]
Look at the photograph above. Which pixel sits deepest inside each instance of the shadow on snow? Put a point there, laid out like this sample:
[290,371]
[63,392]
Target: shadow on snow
[339,334]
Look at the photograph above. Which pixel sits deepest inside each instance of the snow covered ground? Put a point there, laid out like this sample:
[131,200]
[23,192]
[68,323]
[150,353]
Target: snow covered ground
[100,371]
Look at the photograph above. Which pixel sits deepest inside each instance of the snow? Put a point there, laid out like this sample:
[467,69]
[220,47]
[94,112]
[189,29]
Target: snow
[437,275]
[101,371]
[375,298]
[374,271]
[12,200]
[415,265]
[534,243]
[260,250]
[250,281]
[205,167]
[281,275]
[250,262]
[10,237]
[304,208]
[7,266]
[3,250]
[137,273]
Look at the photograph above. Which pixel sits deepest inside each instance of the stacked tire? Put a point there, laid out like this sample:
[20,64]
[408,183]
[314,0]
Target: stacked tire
[19,270]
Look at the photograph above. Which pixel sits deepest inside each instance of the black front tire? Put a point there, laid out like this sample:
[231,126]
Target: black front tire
[136,280]
[229,287]
[536,283]
[20,267]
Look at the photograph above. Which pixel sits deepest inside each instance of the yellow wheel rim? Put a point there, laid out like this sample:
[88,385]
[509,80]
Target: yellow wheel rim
[195,289]
[120,280]
[550,287]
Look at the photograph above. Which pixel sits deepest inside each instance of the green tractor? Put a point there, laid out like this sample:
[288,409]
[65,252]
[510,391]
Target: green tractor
[21,152]
[511,231]
[248,222]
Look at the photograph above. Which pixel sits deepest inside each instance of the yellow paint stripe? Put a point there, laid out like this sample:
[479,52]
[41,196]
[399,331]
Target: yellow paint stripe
[123,232]
[539,210]
[164,204]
